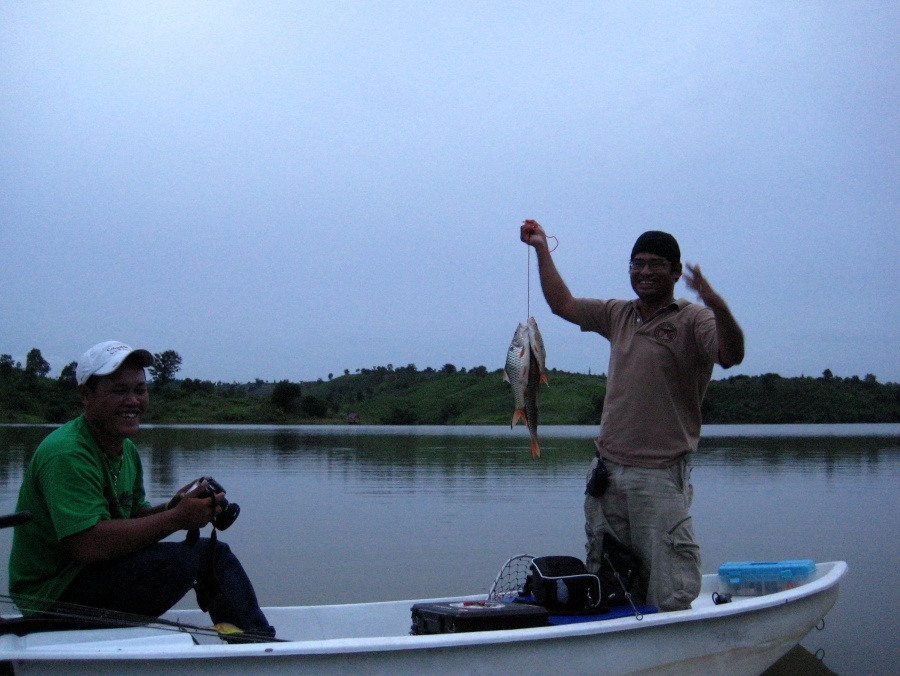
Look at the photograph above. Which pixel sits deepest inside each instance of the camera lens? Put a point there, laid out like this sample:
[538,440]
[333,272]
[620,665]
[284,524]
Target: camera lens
[228,515]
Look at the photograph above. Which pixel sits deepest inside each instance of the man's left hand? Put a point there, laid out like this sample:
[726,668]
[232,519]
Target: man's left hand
[697,282]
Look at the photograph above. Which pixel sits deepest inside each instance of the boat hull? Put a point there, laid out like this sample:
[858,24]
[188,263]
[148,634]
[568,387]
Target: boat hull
[743,637]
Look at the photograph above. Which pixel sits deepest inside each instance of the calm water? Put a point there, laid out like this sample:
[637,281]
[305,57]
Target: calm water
[333,515]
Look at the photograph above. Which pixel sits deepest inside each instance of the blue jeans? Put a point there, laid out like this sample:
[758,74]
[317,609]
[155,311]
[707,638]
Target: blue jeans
[152,580]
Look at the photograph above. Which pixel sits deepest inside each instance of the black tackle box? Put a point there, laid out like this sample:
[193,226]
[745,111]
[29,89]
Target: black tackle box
[460,616]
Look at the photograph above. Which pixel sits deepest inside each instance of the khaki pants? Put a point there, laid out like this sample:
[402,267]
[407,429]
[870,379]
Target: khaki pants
[647,510]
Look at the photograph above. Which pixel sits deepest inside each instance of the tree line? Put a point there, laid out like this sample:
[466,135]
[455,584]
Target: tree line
[406,395]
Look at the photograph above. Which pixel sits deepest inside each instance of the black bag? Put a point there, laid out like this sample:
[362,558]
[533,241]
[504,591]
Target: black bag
[459,616]
[621,571]
[562,583]
[599,480]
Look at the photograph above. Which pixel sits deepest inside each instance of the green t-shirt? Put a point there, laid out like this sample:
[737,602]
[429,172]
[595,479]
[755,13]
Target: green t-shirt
[70,485]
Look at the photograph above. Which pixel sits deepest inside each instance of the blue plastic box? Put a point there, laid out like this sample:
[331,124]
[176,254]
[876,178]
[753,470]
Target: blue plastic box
[754,578]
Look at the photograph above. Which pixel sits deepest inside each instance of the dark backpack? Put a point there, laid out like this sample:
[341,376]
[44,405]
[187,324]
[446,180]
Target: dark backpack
[562,583]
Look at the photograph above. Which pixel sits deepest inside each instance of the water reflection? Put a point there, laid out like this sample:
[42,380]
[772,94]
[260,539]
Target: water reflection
[819,454]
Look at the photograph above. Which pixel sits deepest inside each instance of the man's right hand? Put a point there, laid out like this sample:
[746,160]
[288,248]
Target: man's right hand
[533,234]
[556,293]
[192,510]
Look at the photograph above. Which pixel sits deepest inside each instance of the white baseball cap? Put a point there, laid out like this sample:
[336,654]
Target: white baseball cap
[104,358]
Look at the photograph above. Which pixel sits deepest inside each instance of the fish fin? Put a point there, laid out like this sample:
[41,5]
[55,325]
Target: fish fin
[517,416]
[535,449]
[544,379]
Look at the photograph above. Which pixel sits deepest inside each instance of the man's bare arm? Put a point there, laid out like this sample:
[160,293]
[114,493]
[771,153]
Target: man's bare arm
[111,538]
[730,335]
[556,293]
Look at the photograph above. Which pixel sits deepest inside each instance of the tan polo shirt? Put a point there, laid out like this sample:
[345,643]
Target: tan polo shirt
[658,373]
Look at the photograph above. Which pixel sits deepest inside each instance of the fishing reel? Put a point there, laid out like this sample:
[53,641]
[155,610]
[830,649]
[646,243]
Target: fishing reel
[230,510]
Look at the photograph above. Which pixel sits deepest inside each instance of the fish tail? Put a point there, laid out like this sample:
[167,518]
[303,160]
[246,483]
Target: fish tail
[535,448]
[517,416]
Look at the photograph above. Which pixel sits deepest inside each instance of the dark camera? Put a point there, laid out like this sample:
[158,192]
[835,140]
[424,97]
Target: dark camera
[230,510]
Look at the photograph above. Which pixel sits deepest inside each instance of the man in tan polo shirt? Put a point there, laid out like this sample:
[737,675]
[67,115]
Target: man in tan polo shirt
[662,353]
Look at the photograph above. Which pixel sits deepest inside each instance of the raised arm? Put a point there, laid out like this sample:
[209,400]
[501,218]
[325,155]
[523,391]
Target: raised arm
[730,335]
[556,293]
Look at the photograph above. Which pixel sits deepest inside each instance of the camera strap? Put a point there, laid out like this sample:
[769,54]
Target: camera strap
[192,536]
[206,586]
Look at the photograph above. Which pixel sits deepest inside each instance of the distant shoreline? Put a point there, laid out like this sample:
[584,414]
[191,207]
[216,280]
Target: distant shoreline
[406,396]
[787,430]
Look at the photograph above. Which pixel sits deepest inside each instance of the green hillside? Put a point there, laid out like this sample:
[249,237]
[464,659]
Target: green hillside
[385,395]
[476,397]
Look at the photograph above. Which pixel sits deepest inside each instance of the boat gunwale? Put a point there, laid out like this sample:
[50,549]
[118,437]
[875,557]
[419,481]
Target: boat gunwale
[828,574]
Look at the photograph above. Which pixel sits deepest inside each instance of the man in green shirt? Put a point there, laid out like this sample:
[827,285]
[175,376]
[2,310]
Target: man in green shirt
[94,540]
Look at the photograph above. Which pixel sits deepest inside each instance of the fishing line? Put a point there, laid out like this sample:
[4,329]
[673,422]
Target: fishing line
[528,274]
[528,294]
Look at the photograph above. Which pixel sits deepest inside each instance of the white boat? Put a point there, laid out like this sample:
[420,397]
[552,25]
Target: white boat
[744,636]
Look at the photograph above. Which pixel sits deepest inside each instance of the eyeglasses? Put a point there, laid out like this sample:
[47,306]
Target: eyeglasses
[656,264]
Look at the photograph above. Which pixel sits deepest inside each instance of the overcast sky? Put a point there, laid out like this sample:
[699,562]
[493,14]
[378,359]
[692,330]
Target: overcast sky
[283,190]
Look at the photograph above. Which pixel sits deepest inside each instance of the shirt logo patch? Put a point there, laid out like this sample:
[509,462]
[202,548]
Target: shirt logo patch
[665,332]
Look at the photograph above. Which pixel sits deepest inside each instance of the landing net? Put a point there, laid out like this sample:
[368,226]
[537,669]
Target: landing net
[511,579]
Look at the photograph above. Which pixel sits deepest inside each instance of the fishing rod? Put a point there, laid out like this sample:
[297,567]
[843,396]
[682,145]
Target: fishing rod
[61,613]
[16,519]
[86,616]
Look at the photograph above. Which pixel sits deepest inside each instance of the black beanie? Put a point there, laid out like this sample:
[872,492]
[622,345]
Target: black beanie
[658,243]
